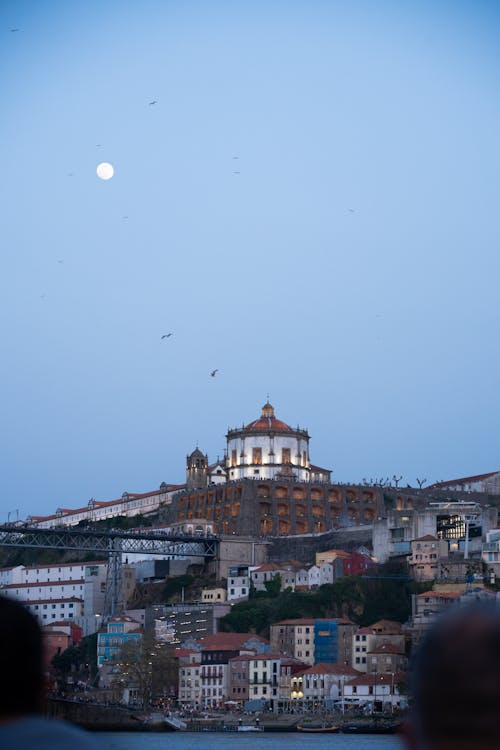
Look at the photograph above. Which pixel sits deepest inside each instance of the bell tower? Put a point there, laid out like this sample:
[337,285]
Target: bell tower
[196,470]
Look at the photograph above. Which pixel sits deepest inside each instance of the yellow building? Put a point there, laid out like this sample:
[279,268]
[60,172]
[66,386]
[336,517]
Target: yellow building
[213,595]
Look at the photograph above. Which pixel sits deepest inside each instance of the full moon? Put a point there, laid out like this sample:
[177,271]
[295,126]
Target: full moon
[105,171]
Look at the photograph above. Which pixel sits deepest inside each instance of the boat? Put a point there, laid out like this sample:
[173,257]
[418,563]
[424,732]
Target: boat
[242,728]
[317,730]
[249,728]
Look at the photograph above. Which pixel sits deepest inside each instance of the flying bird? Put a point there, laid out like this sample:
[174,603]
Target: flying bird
[155,101]
[213,373]
[60,261]
[13,30]
[235,172]
[167,335]
[351,210]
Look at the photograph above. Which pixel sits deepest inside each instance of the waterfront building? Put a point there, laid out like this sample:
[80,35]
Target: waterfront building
[386,658]
[322,683]
[375,693]
[254,677]
[369,639]
[189,692]
[216,652]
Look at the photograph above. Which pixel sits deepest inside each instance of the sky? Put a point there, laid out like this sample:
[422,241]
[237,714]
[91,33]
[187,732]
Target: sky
[310,207]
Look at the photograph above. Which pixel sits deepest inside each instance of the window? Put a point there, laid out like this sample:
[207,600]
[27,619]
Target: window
[285,456]
[257,456]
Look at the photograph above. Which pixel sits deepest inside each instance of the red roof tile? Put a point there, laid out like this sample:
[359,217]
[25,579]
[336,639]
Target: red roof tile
[464,480]
[387,648]
[74,581]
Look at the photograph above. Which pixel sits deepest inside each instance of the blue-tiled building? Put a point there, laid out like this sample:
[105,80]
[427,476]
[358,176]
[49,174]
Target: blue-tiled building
[119,631]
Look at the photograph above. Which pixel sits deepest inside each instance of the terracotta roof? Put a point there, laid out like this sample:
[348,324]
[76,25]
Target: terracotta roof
[387,624]
[182,652]
[325,668]
[267,567]
[74,581]
[267,422]
[228,641]
[337,552]
[464,480]
[387,648]
[315,468]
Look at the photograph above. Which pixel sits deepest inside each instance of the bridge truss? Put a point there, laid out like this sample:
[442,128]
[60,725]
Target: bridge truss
[114,543]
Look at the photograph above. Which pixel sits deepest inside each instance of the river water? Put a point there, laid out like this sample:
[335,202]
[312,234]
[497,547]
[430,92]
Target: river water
[235,741]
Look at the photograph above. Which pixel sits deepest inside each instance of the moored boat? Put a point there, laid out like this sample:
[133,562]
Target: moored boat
[317,730]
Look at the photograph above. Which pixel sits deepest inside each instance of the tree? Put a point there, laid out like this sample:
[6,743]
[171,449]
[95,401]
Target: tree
[80,660]
[149,668]
[273,586]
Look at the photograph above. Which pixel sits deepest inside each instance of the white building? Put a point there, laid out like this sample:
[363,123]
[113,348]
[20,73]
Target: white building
[375,692]
[189,677]
[314,576]
[130,504]
[238,583]
[59,591]
[463,524]
[323,682]
[52,610]
[489,483]
[267,448]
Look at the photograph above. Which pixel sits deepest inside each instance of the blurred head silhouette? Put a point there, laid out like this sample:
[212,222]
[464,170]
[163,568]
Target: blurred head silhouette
[456,683]
[21,670]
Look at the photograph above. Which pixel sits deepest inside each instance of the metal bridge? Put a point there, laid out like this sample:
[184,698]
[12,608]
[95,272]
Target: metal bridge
[114,543]
[112,540]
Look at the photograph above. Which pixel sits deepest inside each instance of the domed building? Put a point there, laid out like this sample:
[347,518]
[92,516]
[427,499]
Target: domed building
[267,448]
[266,485]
